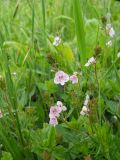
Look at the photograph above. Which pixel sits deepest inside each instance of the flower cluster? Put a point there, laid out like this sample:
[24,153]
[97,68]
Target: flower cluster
[90,61]
[55,113]
[85,108]
[61,78]
[57,41]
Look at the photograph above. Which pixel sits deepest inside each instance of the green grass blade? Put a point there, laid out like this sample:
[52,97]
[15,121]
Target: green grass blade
[33,18]
[10,144]
[43,14]
[44,20]
[80,33]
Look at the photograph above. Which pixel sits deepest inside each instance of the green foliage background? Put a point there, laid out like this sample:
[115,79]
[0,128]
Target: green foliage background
[28,62]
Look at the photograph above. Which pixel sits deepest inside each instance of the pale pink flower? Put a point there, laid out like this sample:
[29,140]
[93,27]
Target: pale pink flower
[61,78]
[54,112]
[60,105]
[53,121]
[57,41]
[90,61]
[118,55]
[74,79]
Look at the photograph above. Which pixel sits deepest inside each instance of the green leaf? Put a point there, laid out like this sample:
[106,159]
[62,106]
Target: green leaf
[51,137]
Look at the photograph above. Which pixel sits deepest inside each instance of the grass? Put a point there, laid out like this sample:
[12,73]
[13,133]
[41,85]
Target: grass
[29,62]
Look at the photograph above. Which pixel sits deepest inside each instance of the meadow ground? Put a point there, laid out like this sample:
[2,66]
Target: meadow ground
[60,80]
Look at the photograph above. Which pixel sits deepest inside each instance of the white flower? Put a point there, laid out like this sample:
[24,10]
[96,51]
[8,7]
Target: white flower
[57,41]
[60,104]
[110,30]
[118,55]
[109,43]
[82,113]
[86,100]
[64,108]
[90,61]
[84,110]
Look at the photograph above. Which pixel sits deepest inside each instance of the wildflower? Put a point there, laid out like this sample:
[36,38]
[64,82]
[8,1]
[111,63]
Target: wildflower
[64,108]
[1,115]
[118,55]
[60,104]
[53,121]
[57,41]
[82,112]
[54,112]
[110,30]
[85,108]
[61,78]
[90,61]
[109,43]
[74,78]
